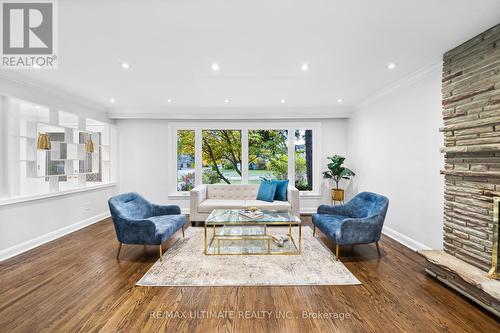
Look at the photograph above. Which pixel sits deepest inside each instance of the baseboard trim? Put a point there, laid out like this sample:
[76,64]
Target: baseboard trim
[40,240]
[404,240]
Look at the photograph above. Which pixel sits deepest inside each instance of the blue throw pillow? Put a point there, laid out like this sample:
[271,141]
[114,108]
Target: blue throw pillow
[281,190]
[267,190]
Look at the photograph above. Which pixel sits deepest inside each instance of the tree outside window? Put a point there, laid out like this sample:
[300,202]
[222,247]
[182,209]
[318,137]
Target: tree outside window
[222,157]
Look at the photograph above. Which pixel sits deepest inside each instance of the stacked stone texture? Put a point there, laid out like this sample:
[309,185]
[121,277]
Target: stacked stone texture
[471,117]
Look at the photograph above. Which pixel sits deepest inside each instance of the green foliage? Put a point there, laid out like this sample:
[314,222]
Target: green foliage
[227,166]
[266,144]
[222,148]
[210,177]
[302,185]
[278,166]
[300,164]
[337,171]
[185,142]
[301,182]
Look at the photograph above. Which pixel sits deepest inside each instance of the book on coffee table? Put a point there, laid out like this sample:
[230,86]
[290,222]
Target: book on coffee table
[251,215]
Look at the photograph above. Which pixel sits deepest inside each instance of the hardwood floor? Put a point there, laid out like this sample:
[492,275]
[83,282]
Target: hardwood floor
[75,284]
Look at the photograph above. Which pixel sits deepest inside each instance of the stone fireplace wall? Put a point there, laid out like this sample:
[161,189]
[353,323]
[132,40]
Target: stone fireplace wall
[471,116]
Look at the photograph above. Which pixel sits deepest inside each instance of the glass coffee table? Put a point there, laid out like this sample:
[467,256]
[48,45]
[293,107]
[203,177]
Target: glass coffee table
[235,234]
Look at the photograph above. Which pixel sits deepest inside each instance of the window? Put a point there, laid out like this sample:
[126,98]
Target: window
[267,155]
[78,155]
[185,160]
[221,156]
[304,160]
[230,153]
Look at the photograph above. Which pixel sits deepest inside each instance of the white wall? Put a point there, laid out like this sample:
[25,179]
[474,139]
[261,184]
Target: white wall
[393,147]
[144,158]
[26,225]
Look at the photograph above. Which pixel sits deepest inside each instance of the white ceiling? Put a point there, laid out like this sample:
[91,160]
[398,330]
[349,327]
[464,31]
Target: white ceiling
[259,45]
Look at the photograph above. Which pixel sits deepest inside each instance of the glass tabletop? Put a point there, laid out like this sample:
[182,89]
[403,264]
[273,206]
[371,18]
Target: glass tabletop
[233,217]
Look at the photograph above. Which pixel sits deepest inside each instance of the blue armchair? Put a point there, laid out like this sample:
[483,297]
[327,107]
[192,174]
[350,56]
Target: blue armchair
[360,221]
[138,221]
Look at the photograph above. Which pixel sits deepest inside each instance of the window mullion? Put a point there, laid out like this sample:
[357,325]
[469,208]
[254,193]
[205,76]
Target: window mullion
[198,157]
[291,156]
[244,156]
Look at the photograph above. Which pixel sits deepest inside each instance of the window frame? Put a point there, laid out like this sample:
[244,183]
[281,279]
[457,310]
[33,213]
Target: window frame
[198,127]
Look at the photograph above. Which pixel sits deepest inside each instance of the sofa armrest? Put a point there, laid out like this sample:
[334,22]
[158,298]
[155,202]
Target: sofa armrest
[196,196]
[294,200]
[166,210]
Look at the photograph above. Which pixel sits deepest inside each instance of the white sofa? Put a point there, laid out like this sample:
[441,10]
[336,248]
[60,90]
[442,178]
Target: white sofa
[205,198]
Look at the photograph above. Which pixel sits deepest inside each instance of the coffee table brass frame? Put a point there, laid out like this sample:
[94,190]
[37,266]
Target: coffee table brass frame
[251,223]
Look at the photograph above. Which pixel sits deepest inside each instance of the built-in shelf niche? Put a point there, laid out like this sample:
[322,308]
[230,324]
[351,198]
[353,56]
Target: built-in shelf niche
[67,156]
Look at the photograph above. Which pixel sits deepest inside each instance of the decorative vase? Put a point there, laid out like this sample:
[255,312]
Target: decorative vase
[337,195]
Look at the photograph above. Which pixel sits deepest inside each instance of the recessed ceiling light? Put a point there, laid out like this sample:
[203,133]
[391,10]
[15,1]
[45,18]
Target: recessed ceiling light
[340,100]
[304,67]
[37,106]
[125,65]
[226,101]
[391,65]
[112,100]
[169,100]
[283,101]
[215,67]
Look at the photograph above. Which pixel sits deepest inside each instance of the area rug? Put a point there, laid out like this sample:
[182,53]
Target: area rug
[184,264]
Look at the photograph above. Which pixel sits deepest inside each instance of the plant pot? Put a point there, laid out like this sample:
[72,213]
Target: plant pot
[337,195]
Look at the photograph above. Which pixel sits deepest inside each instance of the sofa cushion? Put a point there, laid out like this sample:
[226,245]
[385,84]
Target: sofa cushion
[264,205]
[232,191]
[330,225]
[281,189]
[267,191]
[166,226]
[210,204]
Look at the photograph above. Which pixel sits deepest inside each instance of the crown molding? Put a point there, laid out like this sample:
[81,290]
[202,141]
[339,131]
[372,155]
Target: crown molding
[19,86]
[230,113]
[404,82]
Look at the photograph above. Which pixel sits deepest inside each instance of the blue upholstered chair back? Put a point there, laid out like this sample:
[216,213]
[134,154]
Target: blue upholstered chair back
[130,206]
[367,204]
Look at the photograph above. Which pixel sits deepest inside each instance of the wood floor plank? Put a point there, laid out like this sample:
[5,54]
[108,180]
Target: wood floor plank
[75,284]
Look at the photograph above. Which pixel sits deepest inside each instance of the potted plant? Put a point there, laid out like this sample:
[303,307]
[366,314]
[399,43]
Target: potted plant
[337,172]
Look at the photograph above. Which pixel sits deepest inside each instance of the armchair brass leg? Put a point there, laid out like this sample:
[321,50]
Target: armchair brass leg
[314,231]
[118,253]
[378,248]
[161,255]
[337,251]
[183,230]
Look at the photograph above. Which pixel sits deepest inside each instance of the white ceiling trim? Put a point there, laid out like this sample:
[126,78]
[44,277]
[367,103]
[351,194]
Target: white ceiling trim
[14,85]
[230,113]
[404,82]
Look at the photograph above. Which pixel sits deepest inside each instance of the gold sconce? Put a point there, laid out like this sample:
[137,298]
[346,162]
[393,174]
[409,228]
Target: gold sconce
[89,146]
[43,142]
